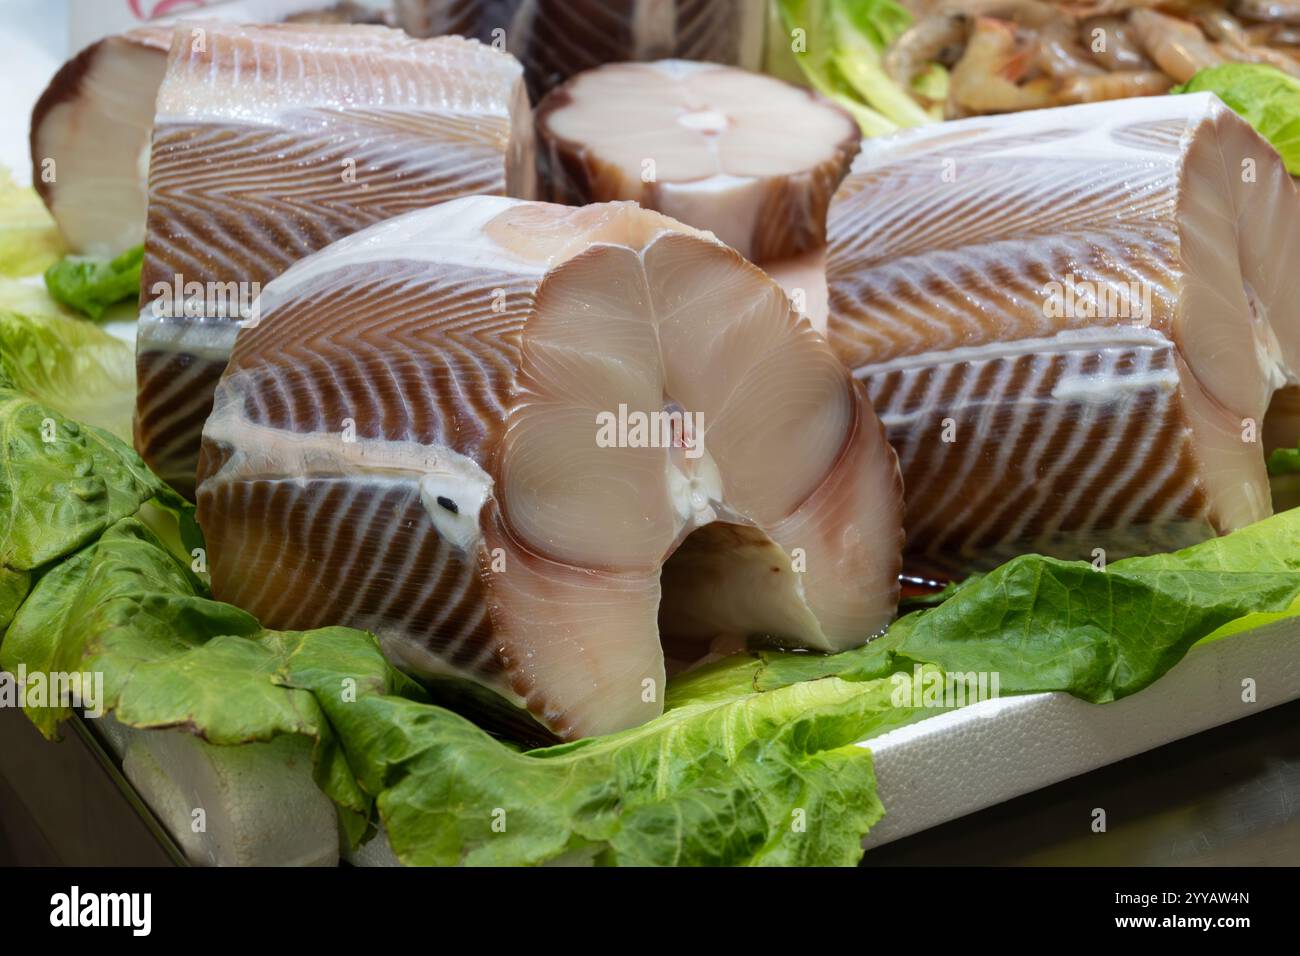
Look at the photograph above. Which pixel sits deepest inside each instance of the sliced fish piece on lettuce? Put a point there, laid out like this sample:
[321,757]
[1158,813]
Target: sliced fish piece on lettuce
[754,778]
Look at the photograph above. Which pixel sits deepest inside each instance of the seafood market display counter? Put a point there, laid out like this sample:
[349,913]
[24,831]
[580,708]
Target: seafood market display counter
[138,789]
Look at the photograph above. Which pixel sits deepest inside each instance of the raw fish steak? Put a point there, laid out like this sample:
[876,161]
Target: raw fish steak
[557,38]
[91,126]
[481,430]
[270,143]
[748,157]
[1073,323]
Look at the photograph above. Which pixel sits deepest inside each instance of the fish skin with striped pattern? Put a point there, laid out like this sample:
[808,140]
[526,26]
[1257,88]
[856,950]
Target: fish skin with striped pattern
[1073,323]
[271,142]
[91,127]
[556,39]
[409,441]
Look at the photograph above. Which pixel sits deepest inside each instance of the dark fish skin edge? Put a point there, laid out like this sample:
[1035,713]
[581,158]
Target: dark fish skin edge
[65,86]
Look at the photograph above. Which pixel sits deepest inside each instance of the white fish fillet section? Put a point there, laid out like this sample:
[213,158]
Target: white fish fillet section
[270,143]
[1122,418]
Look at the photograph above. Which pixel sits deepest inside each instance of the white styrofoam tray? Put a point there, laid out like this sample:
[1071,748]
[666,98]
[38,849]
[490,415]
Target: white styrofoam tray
[937,769]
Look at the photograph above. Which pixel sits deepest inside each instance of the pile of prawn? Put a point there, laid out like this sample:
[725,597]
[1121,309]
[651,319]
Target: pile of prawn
[1004,55]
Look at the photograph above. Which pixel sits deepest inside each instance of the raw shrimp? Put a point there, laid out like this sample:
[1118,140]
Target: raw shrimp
[1177,47]
[1030,13]
[1258,54]
[932,40]
[1279,11]
[1220,25]
[985,80]
[1115,46]
[1059,53]
[1116,85]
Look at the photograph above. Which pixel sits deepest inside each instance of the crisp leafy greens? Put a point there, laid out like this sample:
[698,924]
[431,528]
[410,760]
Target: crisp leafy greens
[62,484]
[29,240]
[69,364]
[92,286]
[1262,95]
[749,778]
[839,47]
[1044,624]
[1284,461]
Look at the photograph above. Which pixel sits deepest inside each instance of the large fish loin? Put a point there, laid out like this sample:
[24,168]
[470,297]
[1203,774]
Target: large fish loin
[481,430]
[556,39]
[270,143]
[91,126]
[1073,323]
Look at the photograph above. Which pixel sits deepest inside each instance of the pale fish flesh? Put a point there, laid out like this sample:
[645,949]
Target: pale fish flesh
[750,158]
[1072,323]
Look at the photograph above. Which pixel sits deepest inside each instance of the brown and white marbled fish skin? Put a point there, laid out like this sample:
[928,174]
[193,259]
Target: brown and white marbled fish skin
[556,39]
[1069,432]
[476,524]
[272,142]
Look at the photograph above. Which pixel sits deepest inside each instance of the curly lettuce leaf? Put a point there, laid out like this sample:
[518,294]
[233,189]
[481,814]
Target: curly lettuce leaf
[29,240]
[1284,461]
[170,656]
[62,483]
[839,47]
[1263,96]
[755,778]
[69,364]
[1044,624]
[92,286]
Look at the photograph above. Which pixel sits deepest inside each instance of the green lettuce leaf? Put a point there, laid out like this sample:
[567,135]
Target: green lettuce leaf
[29,240]
[754,778]
[1284,461]
[128,609]
[92,286]
[839,46]
[69,364]
[1045,625]
[1263,96]
[62,483]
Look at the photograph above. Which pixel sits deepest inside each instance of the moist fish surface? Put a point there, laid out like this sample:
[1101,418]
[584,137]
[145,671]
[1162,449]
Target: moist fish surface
[750,158]
[270,143]
[530,445]
[1080,326]
[557,38]
[91,126]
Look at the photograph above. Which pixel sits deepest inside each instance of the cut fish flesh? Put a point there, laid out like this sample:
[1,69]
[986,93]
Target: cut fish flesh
[91,126]
[270,143]
[1072,323]
[455,430]
[556,39]
[750,158]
